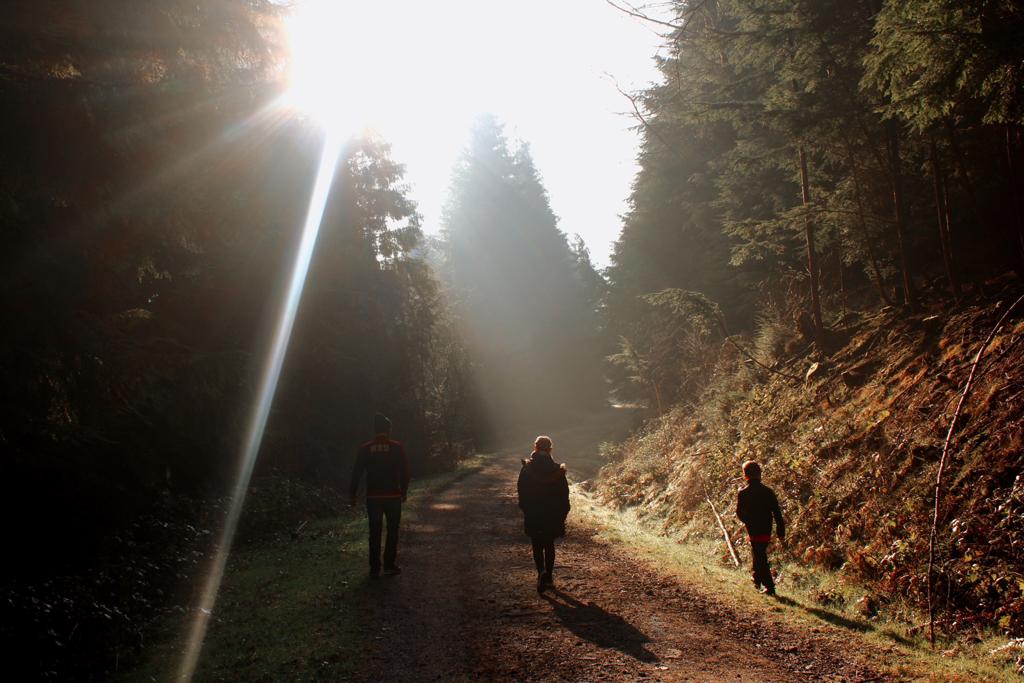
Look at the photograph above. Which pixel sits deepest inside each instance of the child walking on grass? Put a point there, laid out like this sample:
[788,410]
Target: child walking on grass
[544,500]
[757,506]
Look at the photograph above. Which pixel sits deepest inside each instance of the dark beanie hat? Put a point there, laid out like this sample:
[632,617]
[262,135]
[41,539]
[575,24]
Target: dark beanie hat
[381,424]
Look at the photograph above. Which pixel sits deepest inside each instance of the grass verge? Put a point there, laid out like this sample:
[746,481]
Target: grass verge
[289,608]
[887,643]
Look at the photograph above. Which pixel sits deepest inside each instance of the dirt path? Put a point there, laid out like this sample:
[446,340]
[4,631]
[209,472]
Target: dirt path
[466,608]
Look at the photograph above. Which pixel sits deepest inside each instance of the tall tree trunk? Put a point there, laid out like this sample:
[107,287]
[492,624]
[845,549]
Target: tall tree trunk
[812,258]
[837,248]
[657,397]
[899,210]
[949,225]
[862,222]
[941,208]
[1016,187]
[989,218]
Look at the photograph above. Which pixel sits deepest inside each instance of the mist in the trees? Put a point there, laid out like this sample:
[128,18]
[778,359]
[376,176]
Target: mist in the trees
[803,167]
[525,300]
[149,223]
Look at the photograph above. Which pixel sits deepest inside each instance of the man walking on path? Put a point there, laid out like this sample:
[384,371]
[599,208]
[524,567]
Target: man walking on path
[757,506]
[387,482]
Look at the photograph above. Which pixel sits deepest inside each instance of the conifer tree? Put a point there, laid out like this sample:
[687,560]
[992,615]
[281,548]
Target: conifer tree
[526,311]
[821,139]
[150,210]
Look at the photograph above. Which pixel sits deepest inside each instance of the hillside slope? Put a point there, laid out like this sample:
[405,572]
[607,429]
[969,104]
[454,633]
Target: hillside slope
[853,451]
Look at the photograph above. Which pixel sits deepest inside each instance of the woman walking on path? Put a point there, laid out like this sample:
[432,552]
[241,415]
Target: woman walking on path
[544,500]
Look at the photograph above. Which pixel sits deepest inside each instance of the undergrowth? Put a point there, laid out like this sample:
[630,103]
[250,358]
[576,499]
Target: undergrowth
[852,452]
[812,599]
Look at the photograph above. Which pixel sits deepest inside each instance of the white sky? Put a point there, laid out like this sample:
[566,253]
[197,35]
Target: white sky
[544,67]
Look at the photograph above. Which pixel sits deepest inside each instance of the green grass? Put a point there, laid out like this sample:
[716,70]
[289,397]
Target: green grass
[906,656]
[288,609]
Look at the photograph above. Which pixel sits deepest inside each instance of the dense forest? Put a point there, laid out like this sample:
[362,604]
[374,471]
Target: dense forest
[154,190]
[826,225]
[803,159]
[153,198]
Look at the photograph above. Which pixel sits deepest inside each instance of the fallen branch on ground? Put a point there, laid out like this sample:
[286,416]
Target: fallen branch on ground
[728,337]
[721,525]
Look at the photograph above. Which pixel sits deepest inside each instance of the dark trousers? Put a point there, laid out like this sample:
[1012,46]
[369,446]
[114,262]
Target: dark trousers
[377,511]
[544,554]
[762,570]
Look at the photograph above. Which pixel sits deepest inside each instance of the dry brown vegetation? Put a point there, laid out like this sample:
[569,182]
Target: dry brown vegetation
[853,453]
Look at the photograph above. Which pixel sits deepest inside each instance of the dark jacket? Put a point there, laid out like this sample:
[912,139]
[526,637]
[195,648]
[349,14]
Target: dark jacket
[386,468]
[756,506]
[543,496]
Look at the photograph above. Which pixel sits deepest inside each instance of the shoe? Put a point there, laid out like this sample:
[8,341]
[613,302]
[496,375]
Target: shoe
[768,591]
[392,570]
[549,580]
[541,582]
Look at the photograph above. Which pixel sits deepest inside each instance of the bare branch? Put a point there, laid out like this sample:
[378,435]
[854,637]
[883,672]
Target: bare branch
[687,15]
[639,115]
[736,345]
[945,458]
[718,518]
[632,11]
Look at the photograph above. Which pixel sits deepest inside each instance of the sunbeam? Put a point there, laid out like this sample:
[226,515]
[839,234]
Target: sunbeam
[265,398]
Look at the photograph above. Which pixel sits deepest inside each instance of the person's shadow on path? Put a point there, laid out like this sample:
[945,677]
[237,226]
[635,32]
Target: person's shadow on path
[602,628]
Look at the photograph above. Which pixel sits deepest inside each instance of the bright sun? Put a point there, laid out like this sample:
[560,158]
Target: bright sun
[385,65]
[410,70]
[339,71]
[418,73]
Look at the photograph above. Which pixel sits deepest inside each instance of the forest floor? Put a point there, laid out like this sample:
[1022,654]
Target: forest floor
[466,608]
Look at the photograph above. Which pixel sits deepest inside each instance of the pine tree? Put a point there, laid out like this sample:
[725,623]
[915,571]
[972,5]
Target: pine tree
[795,139]
[530,322]
[954,71]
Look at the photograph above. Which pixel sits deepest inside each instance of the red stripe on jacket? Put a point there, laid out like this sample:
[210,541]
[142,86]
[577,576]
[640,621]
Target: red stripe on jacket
[386,467]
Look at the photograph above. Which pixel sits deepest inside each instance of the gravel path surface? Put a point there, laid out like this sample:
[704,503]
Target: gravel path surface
[465,608]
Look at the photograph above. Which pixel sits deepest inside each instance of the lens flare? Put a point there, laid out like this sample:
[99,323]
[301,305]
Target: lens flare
[265,398]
